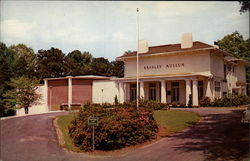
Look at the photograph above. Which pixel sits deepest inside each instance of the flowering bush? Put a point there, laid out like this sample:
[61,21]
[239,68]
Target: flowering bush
[117,128]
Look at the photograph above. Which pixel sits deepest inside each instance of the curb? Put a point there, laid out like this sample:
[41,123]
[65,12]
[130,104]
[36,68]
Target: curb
[59,133]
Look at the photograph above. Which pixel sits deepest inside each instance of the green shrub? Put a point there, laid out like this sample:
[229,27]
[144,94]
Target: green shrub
[116,102]
[190,100]
[153,105]
[174,104]
[106,105]
[205,101]
[231,100]
[118,127]
[129,104]
[182,105]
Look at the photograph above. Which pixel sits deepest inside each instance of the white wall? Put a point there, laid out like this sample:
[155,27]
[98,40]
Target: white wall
[36,109]
[217,65]
[240,72]
[109,91]
[193,63]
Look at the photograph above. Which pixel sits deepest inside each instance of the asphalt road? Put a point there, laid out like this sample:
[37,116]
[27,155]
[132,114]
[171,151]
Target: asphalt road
[219,136]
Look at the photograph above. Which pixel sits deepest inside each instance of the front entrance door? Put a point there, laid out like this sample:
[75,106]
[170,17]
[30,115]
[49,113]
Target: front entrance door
[175,92]
[132,92]
[200,89]
[152,91]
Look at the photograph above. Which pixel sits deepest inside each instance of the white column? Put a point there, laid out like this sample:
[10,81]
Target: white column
[117,91]
[121,92]
[188,90]
[142,93]
[46,94]
[163,91]
[127,92]
[195,92]
[169,89]
[208,90]
[69,93]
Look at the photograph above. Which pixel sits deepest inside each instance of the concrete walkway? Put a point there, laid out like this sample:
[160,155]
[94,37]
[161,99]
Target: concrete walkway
[219,136]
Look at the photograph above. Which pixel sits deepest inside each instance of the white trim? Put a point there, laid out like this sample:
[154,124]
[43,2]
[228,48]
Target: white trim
[165,53]
[83,77]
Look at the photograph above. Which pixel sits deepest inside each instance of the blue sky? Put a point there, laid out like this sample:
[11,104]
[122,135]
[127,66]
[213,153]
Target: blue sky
[107,29]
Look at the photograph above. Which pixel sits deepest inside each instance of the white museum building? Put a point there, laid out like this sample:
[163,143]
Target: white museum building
[170,73]
[167,73]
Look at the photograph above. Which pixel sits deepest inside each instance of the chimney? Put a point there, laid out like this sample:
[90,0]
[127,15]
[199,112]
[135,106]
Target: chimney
[216,44]
[143,46]
[186,40]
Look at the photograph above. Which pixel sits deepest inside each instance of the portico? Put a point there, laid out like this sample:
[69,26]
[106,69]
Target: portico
[164,89]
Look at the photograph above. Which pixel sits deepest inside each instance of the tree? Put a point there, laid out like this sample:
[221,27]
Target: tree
[245,6]
[6,59]
[128,52]
[235,44]
[24,61]
[51,63]
[117,68]
[101,66]
[23,94]
[78,63]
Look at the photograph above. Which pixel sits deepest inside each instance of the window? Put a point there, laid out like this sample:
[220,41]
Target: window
[217,89]
[132,92]
[225,71]
[152,91]
[175,92]
[200,89]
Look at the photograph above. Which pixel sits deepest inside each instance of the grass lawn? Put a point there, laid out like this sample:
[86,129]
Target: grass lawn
[175,121]
[63,123]
[172,120]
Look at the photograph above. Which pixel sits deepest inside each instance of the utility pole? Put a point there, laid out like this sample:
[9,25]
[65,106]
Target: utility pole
[137,63]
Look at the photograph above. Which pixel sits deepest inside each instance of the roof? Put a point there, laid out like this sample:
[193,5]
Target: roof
[169,48]
[94,77]
[234,59]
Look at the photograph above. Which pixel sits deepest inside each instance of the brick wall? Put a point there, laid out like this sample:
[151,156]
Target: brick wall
[57,93]
[81,91]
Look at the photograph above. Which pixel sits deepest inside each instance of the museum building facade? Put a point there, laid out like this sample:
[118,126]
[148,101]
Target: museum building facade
[179,72]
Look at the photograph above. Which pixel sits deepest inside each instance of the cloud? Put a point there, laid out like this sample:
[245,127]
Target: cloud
[110,28]
[70,35]
[176,9]
[119,36]
[16,29]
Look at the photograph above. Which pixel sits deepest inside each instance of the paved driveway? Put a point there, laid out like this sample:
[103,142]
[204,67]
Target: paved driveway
[219,136]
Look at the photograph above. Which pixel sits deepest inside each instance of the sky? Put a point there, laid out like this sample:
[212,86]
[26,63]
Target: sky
[108,29]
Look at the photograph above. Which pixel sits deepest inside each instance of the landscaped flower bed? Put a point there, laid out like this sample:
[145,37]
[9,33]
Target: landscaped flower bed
[118,128]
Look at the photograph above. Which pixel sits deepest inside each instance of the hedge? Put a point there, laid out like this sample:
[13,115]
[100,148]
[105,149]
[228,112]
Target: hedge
[118,128]
[229,100]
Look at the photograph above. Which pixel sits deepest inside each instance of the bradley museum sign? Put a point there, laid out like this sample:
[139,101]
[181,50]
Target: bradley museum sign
[166,66]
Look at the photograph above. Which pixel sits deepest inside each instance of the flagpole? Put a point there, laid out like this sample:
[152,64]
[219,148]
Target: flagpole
[137,63]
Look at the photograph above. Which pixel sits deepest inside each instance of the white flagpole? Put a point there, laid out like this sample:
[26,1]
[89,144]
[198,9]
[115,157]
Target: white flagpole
[137,63]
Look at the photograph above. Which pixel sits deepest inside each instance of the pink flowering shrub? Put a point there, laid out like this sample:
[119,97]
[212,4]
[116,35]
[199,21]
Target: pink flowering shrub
[117,128]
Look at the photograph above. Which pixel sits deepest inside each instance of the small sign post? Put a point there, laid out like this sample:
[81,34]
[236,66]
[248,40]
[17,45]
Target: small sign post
[93,121]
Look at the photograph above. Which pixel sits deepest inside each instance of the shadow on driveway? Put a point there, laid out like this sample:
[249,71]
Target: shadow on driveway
[219,136]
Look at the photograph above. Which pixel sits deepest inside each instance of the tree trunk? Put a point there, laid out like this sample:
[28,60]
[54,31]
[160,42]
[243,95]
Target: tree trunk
[26,109]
